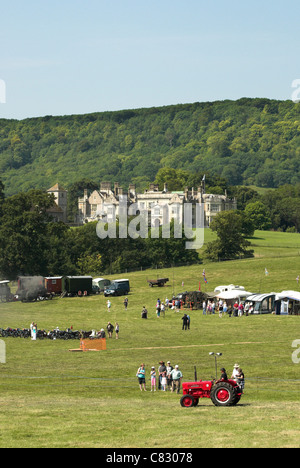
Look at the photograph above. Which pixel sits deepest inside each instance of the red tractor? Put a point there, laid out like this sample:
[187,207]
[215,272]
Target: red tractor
[221,392]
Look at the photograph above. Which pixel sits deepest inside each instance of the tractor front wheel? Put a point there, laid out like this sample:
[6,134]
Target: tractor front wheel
[223,394]
[187,401]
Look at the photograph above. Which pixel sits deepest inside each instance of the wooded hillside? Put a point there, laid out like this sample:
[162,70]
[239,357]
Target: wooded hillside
[249,141]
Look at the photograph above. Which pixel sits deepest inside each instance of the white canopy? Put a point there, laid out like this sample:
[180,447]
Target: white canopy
[233,294]
[294,295]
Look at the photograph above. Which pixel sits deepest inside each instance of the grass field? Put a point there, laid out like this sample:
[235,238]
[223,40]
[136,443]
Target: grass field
[51,397]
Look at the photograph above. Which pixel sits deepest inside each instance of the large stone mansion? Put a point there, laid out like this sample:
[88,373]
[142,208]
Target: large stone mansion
[162,206]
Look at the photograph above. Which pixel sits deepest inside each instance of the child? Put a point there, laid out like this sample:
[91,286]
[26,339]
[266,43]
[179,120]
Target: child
[117,329]
[164,382]
[153,379]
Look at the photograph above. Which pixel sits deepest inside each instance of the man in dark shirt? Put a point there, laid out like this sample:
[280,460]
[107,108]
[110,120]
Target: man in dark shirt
[184,322]
[224,374]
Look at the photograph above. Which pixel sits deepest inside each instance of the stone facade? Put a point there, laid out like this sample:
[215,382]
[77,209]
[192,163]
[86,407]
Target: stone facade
[162,206]
[59,211]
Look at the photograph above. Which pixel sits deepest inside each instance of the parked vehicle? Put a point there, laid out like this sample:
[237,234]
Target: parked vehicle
[77,285]
[53,284]
[118,288]
[5,292]
[101,283]
[31,288]
[160,282]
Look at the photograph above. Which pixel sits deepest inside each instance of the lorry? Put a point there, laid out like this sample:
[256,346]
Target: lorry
[119,287]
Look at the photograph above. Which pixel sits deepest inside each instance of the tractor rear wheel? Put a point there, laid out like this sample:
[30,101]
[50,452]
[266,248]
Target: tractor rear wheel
[223,394]
[187,401]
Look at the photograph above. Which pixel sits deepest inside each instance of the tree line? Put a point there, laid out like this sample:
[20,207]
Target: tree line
[247,142]
[32,244]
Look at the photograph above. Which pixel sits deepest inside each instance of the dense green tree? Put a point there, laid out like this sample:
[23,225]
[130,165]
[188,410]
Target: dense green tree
[257,213]
[249,141]
[244,195]
[175,178]
[2,196]
[231,243]
[23,240]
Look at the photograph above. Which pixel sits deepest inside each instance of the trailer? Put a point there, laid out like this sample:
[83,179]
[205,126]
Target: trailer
[77,286]
[160,282]
[53,284]
[101,284]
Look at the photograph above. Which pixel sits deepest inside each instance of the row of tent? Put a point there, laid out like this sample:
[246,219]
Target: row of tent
[284,303]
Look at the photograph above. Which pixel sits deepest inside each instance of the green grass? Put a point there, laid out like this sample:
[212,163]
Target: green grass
[51,397]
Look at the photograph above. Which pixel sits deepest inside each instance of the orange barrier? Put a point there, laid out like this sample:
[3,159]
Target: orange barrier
[98,344]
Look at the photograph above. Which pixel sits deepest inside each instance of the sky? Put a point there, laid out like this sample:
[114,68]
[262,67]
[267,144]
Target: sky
[75,57]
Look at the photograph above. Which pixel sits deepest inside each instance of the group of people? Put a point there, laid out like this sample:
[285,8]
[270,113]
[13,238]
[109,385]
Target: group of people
[165,378]
[160,307]
[221,307]
[110,329]
[211,307]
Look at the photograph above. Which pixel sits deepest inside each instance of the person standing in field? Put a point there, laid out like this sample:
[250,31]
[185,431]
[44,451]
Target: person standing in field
[110,329]
[158,308]
[162,368]
[176,379]
[153,379]
[117,329]
[169,378]
[108,305]
[164,381]
[126,303]
[141,375]
[184,322]
[188,321]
